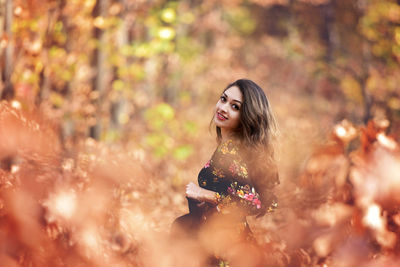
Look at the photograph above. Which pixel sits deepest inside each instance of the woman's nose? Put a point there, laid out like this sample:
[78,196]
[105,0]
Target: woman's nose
[223,107]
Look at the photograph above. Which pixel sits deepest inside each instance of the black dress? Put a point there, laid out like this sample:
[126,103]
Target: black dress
[227,174]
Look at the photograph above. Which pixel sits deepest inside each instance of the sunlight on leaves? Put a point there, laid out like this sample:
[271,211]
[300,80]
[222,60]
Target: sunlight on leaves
[351,88]
[168,15]
[166,33]
[241,20]
[99,22]
[118,85]
[182,152]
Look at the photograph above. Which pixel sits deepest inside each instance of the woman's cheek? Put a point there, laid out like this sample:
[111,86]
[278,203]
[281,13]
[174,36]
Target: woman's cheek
[236,122]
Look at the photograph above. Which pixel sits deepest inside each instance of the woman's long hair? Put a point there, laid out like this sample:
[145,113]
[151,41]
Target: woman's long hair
[256,131]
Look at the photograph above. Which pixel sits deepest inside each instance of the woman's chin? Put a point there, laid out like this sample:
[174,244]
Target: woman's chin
[219,124]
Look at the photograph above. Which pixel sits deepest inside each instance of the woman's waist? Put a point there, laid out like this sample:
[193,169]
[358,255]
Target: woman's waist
[207,210]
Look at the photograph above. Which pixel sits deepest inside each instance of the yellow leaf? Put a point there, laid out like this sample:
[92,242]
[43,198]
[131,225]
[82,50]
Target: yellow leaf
[351,88]
[168,15]
[394,103]
[166,33]
[397,35]
[99,22]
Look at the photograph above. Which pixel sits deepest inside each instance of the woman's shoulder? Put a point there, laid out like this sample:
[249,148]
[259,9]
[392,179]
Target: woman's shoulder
[228,158]
[228,147]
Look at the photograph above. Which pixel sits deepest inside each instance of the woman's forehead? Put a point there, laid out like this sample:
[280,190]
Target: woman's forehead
[234,93]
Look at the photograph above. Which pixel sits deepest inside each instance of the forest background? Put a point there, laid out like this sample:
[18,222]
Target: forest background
[116,97]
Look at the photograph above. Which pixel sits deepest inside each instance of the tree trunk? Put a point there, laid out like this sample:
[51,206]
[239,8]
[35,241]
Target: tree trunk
[68,123]
[118,105]
[98,63]
[44,80]
[326,30]
[8,90]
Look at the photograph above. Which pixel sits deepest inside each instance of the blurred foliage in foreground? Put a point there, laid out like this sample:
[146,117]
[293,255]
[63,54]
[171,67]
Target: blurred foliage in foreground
[105,206]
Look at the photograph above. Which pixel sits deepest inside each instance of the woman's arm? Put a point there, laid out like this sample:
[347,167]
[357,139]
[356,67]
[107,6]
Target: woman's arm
[196,192]
[243,196]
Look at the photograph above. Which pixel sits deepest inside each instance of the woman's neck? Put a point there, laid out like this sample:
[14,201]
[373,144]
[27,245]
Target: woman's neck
[226,135]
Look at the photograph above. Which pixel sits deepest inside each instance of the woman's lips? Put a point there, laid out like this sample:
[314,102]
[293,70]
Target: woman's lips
[221,117]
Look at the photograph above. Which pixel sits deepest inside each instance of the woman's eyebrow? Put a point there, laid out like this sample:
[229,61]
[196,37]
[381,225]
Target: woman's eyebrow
[232,99]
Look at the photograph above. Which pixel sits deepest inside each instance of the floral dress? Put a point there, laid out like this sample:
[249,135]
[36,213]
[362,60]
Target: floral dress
[227,174]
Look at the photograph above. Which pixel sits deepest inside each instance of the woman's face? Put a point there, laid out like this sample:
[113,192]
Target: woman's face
[228,109]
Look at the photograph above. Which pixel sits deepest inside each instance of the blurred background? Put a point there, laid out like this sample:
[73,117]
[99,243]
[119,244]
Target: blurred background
[87,84]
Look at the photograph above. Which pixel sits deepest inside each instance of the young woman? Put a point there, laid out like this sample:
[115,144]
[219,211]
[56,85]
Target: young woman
[238,179]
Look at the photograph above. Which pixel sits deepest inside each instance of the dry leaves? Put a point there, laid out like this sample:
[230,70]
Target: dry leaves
[101,206]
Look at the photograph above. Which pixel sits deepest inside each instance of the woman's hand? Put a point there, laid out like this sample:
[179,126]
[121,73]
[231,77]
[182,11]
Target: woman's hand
[200,194]
[194,191]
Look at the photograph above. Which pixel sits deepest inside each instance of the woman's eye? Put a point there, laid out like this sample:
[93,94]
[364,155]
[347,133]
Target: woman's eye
[223,98]
[234,106]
